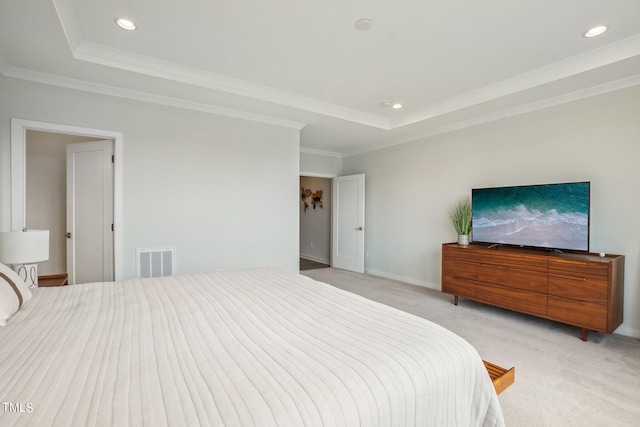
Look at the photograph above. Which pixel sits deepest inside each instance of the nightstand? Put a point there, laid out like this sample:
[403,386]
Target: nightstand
[53,280]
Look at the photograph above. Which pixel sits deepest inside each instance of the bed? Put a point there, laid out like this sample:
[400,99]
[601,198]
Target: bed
[253,347]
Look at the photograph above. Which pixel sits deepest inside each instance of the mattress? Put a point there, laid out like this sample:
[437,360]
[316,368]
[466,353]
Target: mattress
[254,347]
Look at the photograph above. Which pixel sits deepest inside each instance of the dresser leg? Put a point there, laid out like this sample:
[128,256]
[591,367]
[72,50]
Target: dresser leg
[585,334]
[455,300]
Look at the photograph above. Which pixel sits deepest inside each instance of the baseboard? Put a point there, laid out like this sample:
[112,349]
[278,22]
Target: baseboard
[316,259]
[628,331]
[404,279]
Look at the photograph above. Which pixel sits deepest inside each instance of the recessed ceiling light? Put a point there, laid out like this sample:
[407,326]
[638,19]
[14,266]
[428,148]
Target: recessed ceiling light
[126,24]
[364,24]
[596,31]
[394,105]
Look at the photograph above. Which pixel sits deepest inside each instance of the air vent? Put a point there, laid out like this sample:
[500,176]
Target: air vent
[155,262]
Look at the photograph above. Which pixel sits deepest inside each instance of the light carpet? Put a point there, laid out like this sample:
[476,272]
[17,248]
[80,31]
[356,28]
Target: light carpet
[560,380]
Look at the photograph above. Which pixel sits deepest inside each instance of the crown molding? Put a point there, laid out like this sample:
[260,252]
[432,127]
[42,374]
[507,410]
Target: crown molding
[320,152]
[49,79]
[66,12]
[140,64]
[114,58]
[609,54]
[317,175]
[522,109]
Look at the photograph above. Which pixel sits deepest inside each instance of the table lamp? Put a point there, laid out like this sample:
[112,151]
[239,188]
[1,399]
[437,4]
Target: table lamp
[22,250]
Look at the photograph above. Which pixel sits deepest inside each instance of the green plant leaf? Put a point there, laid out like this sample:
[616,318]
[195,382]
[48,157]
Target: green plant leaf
[460,216]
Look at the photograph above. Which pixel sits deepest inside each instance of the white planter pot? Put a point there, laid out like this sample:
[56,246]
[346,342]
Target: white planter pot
[463,239]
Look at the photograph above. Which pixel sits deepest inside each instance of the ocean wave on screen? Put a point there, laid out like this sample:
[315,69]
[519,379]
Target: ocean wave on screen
[520,217]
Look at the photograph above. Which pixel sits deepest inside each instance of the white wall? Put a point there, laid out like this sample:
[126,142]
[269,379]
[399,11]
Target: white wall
[318,164]
[411,186]
[224,191]
[315,224]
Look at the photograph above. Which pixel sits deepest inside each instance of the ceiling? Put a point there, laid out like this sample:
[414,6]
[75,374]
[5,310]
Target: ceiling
[303,64]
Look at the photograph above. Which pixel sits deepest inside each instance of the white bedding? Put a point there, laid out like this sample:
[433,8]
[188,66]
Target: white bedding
[256,347]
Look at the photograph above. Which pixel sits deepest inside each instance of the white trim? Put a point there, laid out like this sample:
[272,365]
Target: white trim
[320,152]
[145,65]
[19,129]
[50,79]
[69,21]
[609,54]
[318,175]
[404,279]
[103,55]
[99,54]
[178,103]
[522,109]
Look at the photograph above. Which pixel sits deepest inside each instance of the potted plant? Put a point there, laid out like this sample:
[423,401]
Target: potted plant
[460,216]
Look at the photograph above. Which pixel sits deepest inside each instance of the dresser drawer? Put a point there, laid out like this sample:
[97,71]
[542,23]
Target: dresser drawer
[580,269]
[458,268]
[584,289]
[460,287]
[579,313]
[459,253]
[513,299]
[531,263]
[535,281]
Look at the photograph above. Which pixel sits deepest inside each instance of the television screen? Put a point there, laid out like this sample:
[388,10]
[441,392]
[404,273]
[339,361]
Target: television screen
[554,216]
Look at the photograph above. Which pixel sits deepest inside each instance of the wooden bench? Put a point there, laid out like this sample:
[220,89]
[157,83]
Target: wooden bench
[500,377]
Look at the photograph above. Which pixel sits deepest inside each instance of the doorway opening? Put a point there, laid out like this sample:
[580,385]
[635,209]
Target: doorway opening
[20,130]
[315,222]
[338,224]
[46,192]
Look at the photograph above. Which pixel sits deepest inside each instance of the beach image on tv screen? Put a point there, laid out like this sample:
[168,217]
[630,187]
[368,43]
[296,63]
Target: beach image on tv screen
[551,216]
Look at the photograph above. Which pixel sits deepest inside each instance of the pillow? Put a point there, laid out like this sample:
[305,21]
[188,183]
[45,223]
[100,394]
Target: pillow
[13,293]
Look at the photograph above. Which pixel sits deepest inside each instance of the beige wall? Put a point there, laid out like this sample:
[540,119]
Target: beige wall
[411,186]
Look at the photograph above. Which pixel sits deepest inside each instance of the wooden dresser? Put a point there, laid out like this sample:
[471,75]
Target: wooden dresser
[577,288]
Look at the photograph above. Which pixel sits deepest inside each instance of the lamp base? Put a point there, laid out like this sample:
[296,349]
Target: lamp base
[28,273]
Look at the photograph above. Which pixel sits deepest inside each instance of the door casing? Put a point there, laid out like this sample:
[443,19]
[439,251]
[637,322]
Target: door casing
[19,129]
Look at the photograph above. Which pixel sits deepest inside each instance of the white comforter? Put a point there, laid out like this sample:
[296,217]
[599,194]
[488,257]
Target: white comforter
[257,347]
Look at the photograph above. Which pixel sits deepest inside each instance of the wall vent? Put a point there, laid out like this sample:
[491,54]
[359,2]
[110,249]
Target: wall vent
[155,262]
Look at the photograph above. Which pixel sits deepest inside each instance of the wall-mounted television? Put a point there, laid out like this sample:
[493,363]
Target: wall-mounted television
[553,216]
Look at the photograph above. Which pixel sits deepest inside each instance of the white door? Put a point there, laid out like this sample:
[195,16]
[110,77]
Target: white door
[348,223]
[90,212]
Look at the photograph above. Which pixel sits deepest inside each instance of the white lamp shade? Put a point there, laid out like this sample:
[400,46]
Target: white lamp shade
[23,247]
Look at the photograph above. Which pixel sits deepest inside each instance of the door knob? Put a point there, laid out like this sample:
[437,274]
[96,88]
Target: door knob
[359,228]
[67,235]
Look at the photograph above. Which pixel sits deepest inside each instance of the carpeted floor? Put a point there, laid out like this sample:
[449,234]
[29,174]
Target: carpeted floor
[560,380]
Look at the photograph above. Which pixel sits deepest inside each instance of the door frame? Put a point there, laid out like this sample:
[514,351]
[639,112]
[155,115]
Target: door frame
[19,128]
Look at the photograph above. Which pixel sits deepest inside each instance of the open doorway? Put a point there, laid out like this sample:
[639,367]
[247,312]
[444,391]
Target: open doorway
[315,222]
[19,130]
[46,192]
